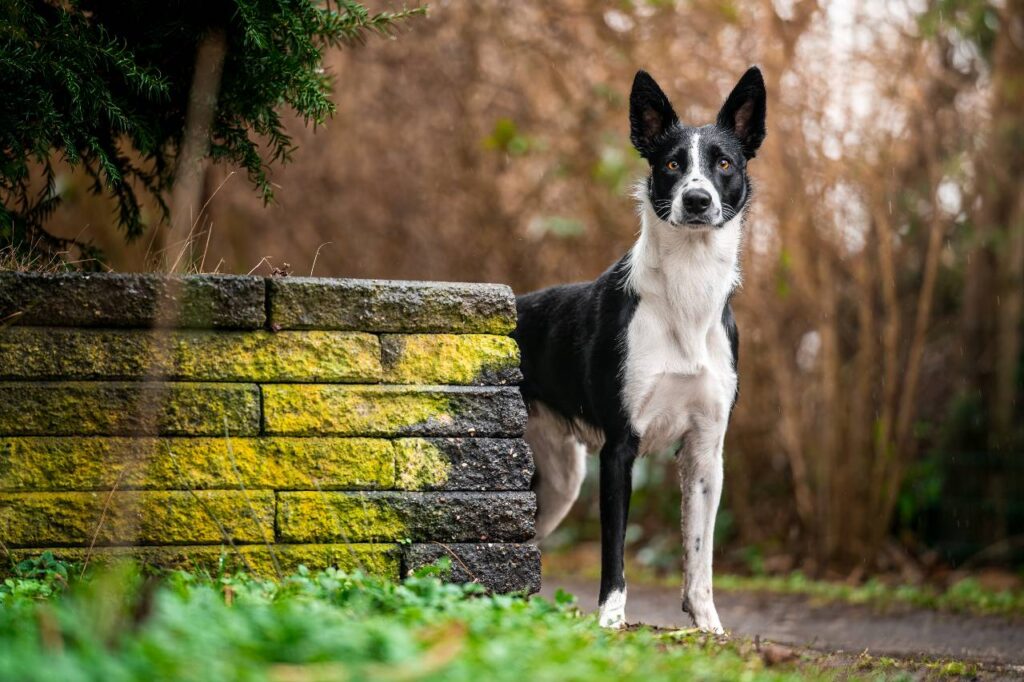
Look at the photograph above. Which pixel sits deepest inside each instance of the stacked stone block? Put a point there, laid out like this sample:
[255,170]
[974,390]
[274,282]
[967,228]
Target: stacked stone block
[265,423]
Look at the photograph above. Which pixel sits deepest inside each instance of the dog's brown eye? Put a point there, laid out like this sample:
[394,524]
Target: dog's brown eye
[724,164]
[672,165]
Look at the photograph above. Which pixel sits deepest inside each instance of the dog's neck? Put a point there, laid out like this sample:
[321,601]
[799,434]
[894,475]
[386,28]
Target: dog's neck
[682,264]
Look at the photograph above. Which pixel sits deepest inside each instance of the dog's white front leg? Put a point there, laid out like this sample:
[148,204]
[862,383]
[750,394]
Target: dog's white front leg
[700,479]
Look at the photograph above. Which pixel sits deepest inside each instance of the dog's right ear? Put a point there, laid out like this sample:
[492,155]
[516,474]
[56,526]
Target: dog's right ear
[650,114]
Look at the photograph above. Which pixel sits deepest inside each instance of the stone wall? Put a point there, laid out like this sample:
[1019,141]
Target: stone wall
[265,423]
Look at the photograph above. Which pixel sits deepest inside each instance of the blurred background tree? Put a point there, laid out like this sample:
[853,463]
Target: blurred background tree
[138,95]
[879,422]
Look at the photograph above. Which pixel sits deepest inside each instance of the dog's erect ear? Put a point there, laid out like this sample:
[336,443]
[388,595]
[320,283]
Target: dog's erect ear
[650,113]
[744,111]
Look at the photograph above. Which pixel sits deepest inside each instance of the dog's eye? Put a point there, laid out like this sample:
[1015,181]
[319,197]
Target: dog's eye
[672,165]
[724,164]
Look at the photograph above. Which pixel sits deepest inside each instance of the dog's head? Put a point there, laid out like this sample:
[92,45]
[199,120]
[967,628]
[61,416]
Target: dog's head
[698,174]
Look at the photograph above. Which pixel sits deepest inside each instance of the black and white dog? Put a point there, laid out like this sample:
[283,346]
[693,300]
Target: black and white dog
[644,357]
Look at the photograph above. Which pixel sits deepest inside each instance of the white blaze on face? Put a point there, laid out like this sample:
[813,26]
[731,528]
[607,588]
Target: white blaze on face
[612,613]
[695,179]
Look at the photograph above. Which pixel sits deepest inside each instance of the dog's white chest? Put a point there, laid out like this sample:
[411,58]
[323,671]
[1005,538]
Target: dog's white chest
[678,365]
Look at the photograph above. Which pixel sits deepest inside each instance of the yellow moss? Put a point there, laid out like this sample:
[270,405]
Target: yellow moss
[191,355]
[165,517]
[337,517]
[121,408]
[376,559]
[284,356]
[419,464]
[349,410]
[447,358]
[75,463]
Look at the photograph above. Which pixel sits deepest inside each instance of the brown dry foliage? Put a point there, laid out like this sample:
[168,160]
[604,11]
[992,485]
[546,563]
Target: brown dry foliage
[490,143]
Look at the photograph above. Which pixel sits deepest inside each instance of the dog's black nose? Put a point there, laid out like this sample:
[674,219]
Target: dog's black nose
[696,201]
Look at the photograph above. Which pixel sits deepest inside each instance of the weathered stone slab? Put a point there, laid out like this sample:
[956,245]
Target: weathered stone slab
[32,463]
[298,410]
[132,300]
[388,306]
[115,408]
[310,356]
[147,518]
[388,516]
[376,559]
[461,464]
[462,359]
[500,567]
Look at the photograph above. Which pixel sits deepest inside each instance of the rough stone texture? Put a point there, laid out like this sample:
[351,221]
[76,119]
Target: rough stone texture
[115,391]
[96,463]
[376,559]
[441,517]
[147,518]
[500,567]
[291,409]
[114,408]
[58,353]
[133,300]
[460,464]
[385,306]
[478,359]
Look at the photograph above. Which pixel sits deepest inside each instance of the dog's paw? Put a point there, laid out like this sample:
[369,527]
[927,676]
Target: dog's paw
[704,616]
[612,613]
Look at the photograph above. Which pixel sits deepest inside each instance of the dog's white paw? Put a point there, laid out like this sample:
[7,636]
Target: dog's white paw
[704,615]
[612,613]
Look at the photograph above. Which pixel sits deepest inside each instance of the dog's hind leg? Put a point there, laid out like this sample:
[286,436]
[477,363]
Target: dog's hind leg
[560,461]
[700,480]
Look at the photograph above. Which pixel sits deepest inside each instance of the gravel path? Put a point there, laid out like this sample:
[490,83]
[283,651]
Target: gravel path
[794,620]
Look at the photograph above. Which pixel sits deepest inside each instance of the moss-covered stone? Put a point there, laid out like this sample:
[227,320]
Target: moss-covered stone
[383,306]
[500,567]
[290,409]
[59,353]
[34,463]
[132,300]
[115,408]
[462,464]
[148,518]
[338,517]
[478,359]
[376,559]
[387,516]
[420,465]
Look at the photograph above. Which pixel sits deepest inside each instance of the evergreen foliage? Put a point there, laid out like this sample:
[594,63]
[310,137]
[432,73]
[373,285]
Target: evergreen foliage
[104,85]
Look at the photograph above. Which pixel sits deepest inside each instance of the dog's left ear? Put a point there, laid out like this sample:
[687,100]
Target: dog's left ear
[744,111]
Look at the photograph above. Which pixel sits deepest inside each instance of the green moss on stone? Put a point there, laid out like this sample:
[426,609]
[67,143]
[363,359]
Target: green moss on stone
[420,465]
[115,408]
[376,559]
[449,359]
[80,463]
[349,410]
[337,517]
[382,306]
[34,352]
[76,518]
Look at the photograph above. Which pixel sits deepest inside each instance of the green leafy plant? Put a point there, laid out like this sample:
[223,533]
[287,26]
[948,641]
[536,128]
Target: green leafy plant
[105,86]
[117,624]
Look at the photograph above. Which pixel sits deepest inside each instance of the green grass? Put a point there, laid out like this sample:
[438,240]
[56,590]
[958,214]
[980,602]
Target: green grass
[118,624]
[964,596]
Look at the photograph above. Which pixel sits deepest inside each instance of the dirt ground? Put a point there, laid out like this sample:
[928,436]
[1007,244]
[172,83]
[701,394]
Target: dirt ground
[794,620]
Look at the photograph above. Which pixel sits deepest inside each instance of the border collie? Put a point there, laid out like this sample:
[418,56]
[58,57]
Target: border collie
[644,358]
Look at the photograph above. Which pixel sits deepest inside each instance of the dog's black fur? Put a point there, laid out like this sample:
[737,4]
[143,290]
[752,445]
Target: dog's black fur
[573,337]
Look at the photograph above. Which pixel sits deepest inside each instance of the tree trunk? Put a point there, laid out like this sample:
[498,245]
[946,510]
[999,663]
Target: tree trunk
[189,174]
